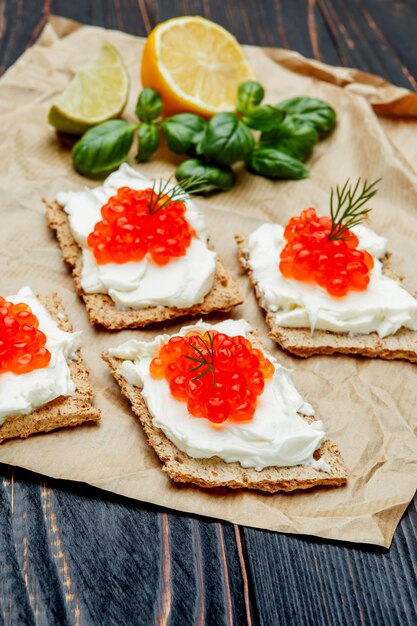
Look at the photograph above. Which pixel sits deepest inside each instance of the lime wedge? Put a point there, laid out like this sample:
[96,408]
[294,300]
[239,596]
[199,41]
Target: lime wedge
[98,92]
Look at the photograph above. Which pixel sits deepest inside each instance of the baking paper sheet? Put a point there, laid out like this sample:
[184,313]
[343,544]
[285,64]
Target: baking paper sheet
[368,406]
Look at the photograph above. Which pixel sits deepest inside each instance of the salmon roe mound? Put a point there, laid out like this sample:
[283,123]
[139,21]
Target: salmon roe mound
[22,344]
[135,223]
[334,264]
[219,377]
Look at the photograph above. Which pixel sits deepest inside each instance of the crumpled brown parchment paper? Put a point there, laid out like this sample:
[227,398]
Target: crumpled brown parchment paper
[368,407]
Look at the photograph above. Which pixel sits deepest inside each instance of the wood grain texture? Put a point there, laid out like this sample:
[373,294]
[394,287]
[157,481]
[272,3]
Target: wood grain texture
[72,555]
[369,34]
[328,583]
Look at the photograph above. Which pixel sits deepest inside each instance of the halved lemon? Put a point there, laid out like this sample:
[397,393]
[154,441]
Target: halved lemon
[195,64]
[98,92]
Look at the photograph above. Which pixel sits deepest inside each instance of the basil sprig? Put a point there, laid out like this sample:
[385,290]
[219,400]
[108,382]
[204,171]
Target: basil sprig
[226,140]
[210,177]
[103,147]
[265,118]
[148,136]
[183,132]
[294,136]
[149,105]
[249,95]
[274,163]
[312,110]
[285,135]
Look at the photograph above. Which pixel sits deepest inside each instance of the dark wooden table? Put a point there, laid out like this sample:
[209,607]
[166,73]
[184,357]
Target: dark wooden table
[71,554]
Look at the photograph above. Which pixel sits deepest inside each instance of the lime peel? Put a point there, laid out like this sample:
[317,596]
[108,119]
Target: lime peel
[98,92]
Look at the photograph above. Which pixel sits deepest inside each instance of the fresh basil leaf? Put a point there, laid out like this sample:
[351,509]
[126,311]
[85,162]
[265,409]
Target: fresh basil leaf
[148,135]
[210,177]
[294,136]
[183,132]
[265,117]
[249,95]
[317,112]
[103,147]
[226,139]
[149,105]
[198,140]
[273,163]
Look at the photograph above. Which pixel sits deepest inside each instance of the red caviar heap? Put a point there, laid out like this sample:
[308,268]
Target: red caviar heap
[324,249]
[336,265]
[22,344]
[138,222]
[219,377]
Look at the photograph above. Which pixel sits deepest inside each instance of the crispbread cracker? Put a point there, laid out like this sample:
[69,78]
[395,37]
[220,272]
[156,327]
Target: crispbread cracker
[101,309]
[300,341]
[63,411]
[214,472]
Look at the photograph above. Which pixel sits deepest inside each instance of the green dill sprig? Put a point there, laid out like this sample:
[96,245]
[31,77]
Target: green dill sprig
[164,195]
[349,210]
[202,361]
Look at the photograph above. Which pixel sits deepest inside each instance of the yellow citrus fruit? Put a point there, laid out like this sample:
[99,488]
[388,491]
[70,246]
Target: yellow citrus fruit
[98,92]
[195,64]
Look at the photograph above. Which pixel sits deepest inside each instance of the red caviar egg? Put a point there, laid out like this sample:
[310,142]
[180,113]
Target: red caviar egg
[22,344]
[135,224]
[220,377]
[157,368]
[195,407]
[243,412]
[336,264]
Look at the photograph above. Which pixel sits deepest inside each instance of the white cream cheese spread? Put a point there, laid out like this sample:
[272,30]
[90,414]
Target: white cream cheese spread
[384,307]
[276,436]
[182,283]
[21,394]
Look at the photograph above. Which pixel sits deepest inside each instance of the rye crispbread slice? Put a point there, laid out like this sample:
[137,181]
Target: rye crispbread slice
[214,472]
[63,411]
[101,309]
[300,341]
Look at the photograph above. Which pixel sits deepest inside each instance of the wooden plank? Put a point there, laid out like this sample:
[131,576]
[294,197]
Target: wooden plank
[360,33]
[321,582]
[73,555]
[359,28]
[14,600]
[396,23]
[277,23]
